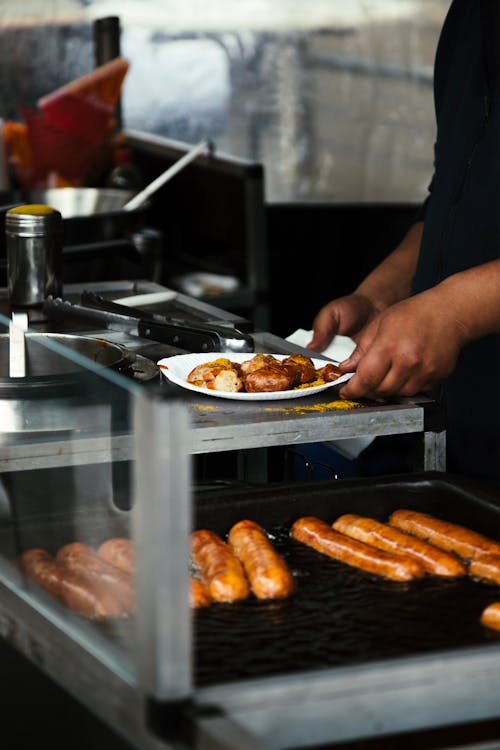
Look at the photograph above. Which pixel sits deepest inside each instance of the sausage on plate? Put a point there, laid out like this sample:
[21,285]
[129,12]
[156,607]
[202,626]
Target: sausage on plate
[321,537]
[219,568]
[434,560]
[84,562]
[267,571]
[93,601]
[448,536]
[218,375]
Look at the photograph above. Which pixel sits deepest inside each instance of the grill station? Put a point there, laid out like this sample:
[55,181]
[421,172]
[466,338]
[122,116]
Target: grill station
[347,657]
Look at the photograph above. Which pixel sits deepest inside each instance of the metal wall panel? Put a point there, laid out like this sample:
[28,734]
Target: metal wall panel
[335,98]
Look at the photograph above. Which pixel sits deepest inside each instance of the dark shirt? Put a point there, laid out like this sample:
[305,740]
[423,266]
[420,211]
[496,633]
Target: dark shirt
[462,219]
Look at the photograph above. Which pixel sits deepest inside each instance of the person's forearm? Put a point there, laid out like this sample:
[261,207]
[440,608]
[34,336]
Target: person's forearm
[391,280]
[473,297]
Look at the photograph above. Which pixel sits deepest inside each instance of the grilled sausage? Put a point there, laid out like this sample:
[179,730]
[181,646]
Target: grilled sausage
[265,373]
[319,535]
[120,552]
[434,560]
[490,616]
[199,595]
[84,562]
[448,536]
[219,568]
[329,372]
[93,601]
[486,568]
[218,375]
[267,572]
[307,371]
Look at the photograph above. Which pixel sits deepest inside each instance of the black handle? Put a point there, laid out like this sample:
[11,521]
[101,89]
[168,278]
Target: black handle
[184,338]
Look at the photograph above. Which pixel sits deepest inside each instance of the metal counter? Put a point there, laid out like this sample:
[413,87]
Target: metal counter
[223,425]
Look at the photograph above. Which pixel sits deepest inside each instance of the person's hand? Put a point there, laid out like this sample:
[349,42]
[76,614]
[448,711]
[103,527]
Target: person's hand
[345,316]
[408,348]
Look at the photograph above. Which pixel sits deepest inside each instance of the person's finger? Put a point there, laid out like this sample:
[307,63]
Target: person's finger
[351,363]
[318,343]
[366,379]
[323,333]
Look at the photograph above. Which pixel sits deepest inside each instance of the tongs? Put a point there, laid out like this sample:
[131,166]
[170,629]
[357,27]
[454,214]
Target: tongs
[191,336]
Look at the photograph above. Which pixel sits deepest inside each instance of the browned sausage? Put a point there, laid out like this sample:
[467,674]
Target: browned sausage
[381,535]
[329,372]
[84,562]
[199,595]
[267,572]
[319,535]
[486,567]
[119,551]
[448,536]
[490,616]
[307,372]
[91,601]
[219,568]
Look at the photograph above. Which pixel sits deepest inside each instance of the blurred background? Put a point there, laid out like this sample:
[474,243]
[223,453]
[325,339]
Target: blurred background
[334,97]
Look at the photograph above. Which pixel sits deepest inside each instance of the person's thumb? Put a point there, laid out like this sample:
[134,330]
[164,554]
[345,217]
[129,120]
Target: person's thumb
[350,364]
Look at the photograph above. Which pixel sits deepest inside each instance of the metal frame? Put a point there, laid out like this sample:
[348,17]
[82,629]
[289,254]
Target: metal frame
[370,700]
[161,525]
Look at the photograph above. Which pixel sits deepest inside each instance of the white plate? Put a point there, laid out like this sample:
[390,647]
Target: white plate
[177,368]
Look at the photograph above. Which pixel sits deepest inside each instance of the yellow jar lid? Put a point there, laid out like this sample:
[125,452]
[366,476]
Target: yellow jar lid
[33,209]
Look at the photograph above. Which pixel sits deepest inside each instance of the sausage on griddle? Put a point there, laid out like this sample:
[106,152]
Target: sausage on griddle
[490,616]
[199,596]
[119,551]
[267,571]
[451,537]
[219,568]
[321,537]
[486,568]
[434,560]
[84,562]
[93,601]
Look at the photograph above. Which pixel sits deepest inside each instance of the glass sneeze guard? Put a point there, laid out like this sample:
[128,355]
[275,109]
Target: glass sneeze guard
[91,459]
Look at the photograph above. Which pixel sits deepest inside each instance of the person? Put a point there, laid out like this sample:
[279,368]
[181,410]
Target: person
[427,318]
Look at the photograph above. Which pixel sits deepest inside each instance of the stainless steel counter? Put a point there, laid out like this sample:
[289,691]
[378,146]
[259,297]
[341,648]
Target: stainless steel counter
[223,424]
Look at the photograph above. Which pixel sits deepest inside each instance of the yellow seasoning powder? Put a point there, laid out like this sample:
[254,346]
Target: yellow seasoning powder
[338,405]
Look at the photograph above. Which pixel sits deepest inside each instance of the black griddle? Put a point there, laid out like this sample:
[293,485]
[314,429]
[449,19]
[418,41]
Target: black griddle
[340,615]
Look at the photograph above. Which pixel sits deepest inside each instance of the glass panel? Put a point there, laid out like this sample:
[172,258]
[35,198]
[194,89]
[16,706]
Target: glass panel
[65,451]
[86,511]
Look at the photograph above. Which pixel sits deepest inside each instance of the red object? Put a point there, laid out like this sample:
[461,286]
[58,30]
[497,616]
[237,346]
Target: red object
[53,150]
[68,135]
[87,118]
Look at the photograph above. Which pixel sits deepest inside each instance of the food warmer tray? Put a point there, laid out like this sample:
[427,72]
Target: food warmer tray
[349,655]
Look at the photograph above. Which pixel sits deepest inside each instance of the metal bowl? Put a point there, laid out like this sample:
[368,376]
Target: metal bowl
[58,394]
[76,202]
[44,364]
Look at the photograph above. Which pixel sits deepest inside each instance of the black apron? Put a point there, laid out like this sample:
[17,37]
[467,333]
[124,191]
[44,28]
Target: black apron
[462,219]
